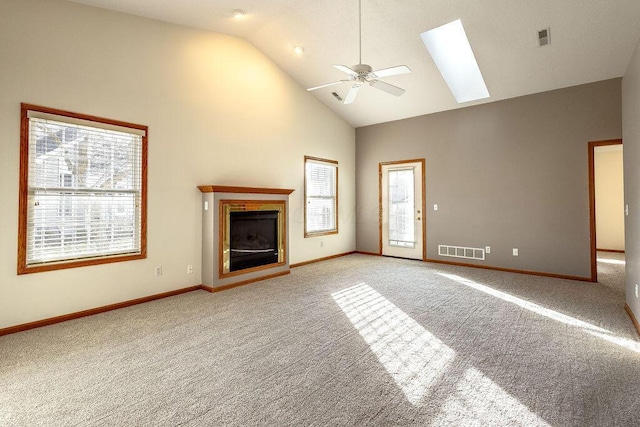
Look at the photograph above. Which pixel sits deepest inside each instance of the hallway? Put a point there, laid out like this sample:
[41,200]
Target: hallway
[611,270]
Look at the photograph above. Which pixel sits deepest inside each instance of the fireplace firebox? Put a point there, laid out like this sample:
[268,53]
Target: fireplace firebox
[253,239]
[253,236]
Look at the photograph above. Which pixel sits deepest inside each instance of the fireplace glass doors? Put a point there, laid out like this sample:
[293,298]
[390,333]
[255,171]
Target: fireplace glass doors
[253,239]
[252,235]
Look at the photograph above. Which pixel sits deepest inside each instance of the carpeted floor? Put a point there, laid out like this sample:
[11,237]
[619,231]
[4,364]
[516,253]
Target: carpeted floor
[611,270]
[358,340]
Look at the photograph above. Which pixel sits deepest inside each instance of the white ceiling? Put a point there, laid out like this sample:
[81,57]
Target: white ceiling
[591,40]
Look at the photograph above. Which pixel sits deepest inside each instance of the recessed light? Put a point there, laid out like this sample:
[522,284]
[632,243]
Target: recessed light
[238,13]
[299,50]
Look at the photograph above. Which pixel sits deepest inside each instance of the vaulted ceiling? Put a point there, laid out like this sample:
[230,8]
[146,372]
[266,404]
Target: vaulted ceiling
[591,40]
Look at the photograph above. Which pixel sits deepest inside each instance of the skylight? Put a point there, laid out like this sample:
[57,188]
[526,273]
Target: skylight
[450,49]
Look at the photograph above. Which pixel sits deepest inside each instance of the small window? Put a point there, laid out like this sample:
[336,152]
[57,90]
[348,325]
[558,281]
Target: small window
[82,190]
[321,196]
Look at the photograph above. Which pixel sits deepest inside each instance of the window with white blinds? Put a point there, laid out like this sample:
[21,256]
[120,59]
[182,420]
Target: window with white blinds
[321,196]
[83,197]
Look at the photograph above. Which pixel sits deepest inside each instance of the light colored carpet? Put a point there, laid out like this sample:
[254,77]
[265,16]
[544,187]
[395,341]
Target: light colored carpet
[611,270]
[358,340]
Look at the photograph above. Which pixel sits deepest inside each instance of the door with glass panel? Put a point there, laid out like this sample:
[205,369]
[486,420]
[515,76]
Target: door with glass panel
[402,209]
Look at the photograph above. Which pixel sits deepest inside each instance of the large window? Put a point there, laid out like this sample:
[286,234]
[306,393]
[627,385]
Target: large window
[321,196]
[82,190]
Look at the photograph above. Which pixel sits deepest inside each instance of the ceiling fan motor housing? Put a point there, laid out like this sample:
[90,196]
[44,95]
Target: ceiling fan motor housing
[363,71]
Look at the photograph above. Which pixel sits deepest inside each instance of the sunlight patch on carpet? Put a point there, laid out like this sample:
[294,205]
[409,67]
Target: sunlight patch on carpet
[479,401]
[546,312]
[612,261]
[413,357]
[623,342]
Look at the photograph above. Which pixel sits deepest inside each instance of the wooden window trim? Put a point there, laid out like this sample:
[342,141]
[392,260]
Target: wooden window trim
[23,268]
[319,233]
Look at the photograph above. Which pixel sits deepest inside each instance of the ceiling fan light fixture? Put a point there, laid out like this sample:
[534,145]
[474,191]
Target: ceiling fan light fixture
[238,13]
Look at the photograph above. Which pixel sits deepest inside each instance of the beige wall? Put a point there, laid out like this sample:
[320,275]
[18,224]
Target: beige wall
[510,174]
[218,111]
[631,139]
[609,189]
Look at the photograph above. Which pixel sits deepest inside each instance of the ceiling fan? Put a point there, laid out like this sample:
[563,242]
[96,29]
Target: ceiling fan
[363,73]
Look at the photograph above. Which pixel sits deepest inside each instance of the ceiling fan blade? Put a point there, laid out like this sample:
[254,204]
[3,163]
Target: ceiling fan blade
[392,71]
[393,90]
[346,69]
[326,85]
[351,96]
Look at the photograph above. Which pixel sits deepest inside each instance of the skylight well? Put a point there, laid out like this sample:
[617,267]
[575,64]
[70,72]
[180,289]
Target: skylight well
[450,49]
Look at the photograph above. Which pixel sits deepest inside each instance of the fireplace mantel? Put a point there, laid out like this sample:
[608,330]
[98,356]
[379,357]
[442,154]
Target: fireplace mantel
[216,199]
[242,190]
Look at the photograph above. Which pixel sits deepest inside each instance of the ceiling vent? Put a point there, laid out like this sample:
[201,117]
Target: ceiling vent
[336,96]
[544,37]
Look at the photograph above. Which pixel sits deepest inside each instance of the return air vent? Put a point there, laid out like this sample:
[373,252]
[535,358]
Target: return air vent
[544,37]
[461,252]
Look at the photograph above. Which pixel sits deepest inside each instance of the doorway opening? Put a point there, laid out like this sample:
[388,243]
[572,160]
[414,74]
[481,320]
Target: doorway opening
[607,211]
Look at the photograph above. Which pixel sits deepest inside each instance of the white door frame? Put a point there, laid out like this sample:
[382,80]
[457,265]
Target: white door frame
[423,222]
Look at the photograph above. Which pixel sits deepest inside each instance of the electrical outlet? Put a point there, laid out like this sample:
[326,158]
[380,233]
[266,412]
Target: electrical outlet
[636,290]
[435,207]
[189,269]
[321,244]
[159,270]
[515,251]
[487,249]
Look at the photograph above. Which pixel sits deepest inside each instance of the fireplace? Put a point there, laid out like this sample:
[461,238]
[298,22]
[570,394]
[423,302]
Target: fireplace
[244,235]
[253,239]
[252,235]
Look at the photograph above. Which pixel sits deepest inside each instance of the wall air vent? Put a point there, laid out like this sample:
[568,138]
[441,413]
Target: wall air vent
[544,37]
[335,94]
[461,252]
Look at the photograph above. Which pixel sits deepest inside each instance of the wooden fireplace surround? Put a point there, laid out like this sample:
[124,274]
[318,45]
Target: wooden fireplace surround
[215,197]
